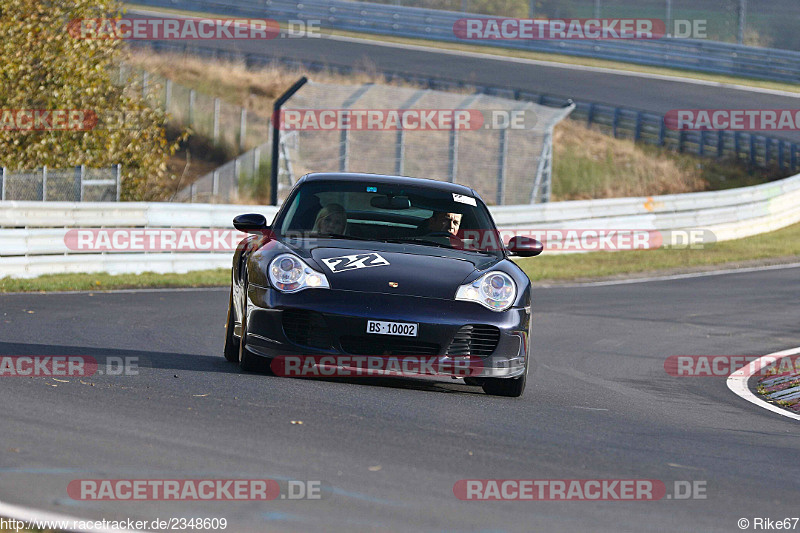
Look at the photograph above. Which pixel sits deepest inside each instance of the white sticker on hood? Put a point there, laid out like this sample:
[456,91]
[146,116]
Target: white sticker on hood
[469,200]
[353,262]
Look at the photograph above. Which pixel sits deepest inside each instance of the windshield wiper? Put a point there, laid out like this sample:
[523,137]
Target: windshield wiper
[423,242]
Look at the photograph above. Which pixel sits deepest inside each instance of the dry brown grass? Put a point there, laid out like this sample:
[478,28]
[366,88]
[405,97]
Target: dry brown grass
[590,164]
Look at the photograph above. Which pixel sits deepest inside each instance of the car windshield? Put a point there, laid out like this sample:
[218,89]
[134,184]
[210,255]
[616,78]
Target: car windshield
[388,213]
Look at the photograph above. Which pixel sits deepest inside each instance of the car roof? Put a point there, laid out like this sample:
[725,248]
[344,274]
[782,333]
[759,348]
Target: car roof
[398,180]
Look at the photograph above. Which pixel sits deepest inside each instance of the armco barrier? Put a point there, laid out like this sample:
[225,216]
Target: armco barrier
[32,234]
[437,25]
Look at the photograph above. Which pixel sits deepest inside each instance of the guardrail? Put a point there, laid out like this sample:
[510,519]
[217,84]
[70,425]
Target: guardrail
[621,122]
[437,25]
[33,236]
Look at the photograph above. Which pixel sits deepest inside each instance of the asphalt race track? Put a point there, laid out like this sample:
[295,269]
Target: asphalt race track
[389,452]
[618,89]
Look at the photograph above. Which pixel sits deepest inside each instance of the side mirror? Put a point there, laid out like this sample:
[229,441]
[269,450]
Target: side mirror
[251,223]
[524,246]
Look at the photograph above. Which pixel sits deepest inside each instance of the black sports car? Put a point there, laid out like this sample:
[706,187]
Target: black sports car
[377,266]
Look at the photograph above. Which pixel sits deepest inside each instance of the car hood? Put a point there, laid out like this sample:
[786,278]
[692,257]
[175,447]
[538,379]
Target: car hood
[407,272]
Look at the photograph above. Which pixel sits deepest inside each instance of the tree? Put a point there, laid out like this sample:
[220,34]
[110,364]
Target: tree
[44,67]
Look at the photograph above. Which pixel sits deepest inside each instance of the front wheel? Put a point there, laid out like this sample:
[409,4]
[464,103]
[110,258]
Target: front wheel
[231,343]
[247,361]
[510,387]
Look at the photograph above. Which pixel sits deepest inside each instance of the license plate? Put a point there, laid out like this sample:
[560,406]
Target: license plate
[403,329]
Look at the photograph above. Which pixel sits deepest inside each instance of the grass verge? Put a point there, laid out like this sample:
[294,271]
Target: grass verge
[780,246]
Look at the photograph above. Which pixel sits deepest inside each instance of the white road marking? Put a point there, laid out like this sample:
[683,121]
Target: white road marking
[737,382]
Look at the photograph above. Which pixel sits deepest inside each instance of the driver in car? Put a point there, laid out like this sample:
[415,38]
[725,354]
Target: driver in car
[441,221]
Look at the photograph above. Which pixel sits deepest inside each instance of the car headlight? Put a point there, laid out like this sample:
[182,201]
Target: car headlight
[494,290]
[288,273]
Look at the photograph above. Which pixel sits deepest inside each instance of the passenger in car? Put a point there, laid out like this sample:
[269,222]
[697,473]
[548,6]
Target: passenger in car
[331,219]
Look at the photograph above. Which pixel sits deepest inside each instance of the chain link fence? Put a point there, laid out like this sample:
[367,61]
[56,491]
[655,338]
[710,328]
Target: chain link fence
[226,124]
[246,176]
[78,184]
[498,146]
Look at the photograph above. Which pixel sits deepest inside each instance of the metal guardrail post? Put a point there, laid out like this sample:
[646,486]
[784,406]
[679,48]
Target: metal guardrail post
[615,122]
[3,184]
[44,183]
[637,132]
[780,154]
[662,132]
[501,167]
[720,144]
[681,140]
[736,145]
[767,150]
[752,149]
[793,157]
[589,115]
[701,148]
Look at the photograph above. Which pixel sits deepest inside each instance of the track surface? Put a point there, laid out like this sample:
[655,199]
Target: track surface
[637,92]
[601,406]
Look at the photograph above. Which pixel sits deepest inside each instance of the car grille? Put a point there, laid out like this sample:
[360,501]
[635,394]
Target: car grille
[361,345]
[307,328]
[474,339]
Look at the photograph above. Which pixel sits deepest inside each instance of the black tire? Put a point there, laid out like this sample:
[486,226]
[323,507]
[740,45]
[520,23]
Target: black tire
[509,387]
[231,343]
[247,361]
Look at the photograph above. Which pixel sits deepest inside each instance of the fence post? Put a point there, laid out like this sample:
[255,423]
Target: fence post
[752,148]
[192,98]
[701,150]
[83,177]
[662,132]
[167,95]
[736,144]
[76,184]
[681,140]
[44,183]
[216,120]
[501,169]
[118,178]
[589,115]
[242,128]
[780,154]
[720,144]
[3,184]
[237,171]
